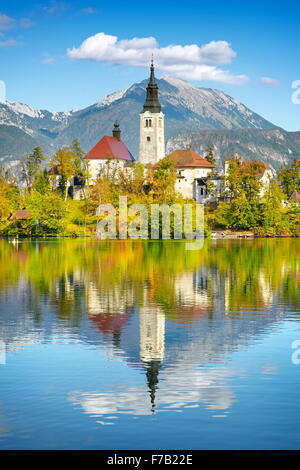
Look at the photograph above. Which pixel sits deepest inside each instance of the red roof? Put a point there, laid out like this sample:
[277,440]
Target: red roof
[110,323]
[189,158]
[295,197]
[22,214]
[109,147]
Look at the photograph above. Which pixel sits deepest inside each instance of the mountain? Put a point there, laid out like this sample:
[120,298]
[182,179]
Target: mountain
[187,109]
[273,146]
[22,128]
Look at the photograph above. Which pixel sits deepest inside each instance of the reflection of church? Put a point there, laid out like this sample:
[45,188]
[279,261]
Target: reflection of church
[127,322]
[153,338]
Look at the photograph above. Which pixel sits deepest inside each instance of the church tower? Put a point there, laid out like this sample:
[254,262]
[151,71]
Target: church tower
[152,135]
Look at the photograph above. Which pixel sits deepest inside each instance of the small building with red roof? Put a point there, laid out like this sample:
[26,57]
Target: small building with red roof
[192,173]
[109,151]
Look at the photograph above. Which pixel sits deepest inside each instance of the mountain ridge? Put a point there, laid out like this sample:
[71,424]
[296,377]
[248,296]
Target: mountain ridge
[187,109]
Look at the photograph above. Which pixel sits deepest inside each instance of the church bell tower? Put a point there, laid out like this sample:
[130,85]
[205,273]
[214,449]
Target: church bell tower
[152,135]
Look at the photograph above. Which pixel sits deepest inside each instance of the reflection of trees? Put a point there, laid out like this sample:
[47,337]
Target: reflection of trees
[182,283]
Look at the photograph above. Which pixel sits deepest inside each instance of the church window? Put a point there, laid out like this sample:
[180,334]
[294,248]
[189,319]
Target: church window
[148,139]
[150,123]
[146,123]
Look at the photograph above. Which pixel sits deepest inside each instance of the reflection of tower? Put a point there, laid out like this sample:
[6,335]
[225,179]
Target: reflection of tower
[152,345]
[152,371]
[152,334]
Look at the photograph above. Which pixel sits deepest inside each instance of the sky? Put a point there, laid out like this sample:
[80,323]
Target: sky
[68,55]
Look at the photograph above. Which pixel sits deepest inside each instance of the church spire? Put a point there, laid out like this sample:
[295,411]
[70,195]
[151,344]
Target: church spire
[152,372]
[152,76]
[152,104]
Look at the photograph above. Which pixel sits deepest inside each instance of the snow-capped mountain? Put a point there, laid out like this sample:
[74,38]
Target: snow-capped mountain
[187,109]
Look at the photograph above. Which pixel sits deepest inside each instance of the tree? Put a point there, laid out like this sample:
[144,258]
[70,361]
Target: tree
[243,179]
[162,180]
[65,161]
[273,215]
[31,166]
[49,212]
[9,190]
[289,178]
[210,155]
[41,182]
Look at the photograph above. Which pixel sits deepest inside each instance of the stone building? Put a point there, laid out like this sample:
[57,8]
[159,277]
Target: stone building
[191,174]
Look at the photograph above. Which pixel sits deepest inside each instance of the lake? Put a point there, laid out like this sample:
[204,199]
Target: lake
[145,345]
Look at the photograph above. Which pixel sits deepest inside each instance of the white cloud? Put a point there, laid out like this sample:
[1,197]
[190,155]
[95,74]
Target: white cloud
[6,22]
[26,23]
[190,61]
[89,11]
[55,7]
[8,43]
[270,82]
[48,61]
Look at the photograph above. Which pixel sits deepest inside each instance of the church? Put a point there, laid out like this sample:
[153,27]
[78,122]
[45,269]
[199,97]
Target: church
[192,170]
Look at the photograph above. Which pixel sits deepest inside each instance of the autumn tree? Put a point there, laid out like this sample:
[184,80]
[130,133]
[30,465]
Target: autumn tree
[289,178]
[161,180]
[65,162]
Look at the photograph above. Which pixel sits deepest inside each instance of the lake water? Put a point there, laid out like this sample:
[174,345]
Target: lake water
[145,345]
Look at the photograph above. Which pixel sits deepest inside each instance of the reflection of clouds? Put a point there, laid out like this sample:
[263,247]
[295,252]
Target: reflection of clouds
[177,389]
[269,369]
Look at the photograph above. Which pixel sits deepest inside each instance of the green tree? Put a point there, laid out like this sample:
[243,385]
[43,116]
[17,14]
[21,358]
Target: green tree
[210,155]
[49,213]
[65,161]
[31,166]
[289,178]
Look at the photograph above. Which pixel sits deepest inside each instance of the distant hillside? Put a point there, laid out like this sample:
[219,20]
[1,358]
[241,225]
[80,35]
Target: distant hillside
[187,109]
[274,146]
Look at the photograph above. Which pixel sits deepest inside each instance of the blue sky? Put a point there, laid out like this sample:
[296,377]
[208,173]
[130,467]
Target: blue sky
[248,49]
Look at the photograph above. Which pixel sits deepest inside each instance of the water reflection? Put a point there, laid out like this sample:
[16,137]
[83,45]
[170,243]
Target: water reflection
[159,309]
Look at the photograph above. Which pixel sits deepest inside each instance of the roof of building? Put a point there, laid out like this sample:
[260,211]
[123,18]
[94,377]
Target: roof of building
[22,214]
[189,158]
[295,197]
[54,170]
[109,147]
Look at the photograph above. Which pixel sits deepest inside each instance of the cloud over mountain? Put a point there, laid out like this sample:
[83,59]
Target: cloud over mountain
[270,82]
[188,61]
